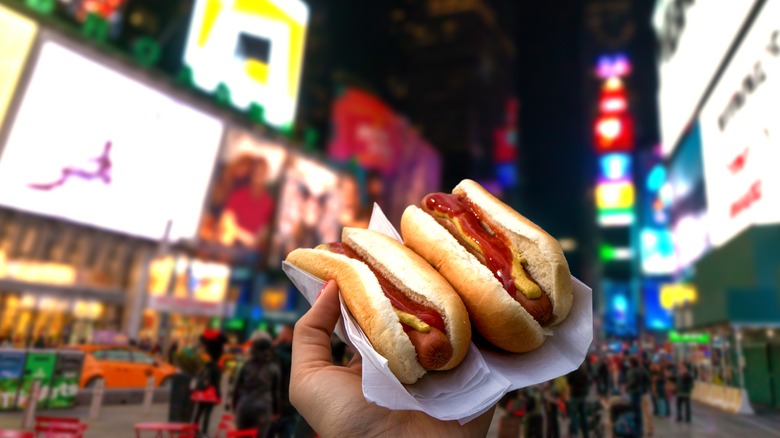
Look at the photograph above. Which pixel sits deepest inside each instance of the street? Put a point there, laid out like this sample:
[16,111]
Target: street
[117,421]
[705,422]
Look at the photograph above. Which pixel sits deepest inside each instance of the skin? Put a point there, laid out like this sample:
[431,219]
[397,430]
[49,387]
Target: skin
[330,397]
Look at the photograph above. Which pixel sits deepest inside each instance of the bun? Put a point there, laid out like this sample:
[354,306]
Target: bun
[373,311]
[495,313]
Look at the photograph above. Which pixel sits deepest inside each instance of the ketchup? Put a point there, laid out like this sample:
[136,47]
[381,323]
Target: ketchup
[398,299]
[498,256]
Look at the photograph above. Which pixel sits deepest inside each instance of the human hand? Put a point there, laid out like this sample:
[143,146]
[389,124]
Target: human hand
[330,397]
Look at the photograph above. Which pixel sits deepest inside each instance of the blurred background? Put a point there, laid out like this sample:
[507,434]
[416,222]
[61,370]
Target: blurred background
[158,159]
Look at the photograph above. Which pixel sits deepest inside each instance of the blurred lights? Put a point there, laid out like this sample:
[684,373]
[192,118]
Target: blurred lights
[609,253]
[613,84]
[614,132]
[613,105]
[609,128]
[656,178]
[613,66]
[615,218]
[616,166]
[676,294]
[614,195]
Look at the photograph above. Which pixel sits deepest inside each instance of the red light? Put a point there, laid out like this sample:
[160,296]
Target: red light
[614,133]
[613,105]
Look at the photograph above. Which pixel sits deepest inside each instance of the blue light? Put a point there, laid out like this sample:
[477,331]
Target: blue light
[615,166]
[656,178]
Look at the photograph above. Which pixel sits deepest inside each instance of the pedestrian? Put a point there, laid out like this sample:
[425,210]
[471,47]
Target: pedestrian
[207,384]
[533,420]
[579,386]
[256,395]
[647,400]
[602,378]
[683,393]
[290,422]
[172,350]
[637,385]
[552,399]
[660,396]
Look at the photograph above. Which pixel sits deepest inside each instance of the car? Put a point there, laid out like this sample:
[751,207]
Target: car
[121,366]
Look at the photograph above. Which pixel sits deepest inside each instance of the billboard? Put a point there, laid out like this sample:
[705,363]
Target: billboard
[688,210]
[694,38]
[109,151]
[740,134]
[620,309]
[401,166]
[657,315]
[17,34]
[242,200]
[254,48]
[310,209]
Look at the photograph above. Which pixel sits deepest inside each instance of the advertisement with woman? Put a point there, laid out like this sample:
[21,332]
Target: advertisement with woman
[242,200]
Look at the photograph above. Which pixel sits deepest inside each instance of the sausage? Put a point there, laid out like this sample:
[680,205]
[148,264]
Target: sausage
[494,251]
[433,349]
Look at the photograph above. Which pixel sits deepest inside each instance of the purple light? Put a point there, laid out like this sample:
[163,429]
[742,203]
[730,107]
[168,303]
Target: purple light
[609,66]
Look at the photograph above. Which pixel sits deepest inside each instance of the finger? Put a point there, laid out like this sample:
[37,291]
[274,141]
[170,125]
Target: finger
[311,342]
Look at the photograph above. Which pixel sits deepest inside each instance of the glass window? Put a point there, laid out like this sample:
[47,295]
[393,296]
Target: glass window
[118,355]
[100,354]
[139,357]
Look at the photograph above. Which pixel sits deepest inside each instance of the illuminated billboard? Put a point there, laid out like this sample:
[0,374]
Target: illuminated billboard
[113,152]
[242,200]
[17,34]
[311,207]
[694,37]
[253,47]
[740,134]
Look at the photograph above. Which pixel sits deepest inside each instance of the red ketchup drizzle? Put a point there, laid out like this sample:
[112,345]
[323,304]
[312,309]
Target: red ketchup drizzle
[497,254]
[398,299]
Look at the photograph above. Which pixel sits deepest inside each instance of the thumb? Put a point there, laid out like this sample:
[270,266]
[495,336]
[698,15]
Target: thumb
[311,342]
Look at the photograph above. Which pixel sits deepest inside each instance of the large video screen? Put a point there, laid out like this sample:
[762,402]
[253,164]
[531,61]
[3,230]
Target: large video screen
[242,200]
[17,34]
[254,48]
[91,145]
[310,212]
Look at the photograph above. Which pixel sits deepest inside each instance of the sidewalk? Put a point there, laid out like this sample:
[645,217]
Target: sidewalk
[114,421]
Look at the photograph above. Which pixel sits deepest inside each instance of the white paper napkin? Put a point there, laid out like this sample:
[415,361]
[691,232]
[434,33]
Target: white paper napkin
[482,378]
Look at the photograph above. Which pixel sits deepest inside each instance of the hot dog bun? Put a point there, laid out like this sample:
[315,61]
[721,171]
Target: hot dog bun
[372,310]
[496,315]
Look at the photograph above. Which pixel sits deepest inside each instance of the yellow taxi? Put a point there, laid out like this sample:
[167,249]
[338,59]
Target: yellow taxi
[120,366]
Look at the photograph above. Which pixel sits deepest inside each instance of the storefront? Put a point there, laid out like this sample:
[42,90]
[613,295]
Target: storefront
[185,296]
[48,304]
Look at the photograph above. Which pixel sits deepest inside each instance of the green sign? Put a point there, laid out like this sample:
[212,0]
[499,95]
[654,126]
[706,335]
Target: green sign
[234,324]
[39,367]
[65,384]
[688,338]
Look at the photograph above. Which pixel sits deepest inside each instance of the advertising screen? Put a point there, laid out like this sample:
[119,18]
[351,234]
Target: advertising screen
[254,48]
[17,34]
[741,134]
[657,317]
[401,166]
[242,200]
[109,151]
[694,38]
[310,210]
[620,309]
[688,217]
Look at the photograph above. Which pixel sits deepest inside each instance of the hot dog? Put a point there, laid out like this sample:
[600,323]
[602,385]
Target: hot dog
[411,315]
[512,275]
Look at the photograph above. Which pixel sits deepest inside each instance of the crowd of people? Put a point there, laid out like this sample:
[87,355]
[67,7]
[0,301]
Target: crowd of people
[616,395]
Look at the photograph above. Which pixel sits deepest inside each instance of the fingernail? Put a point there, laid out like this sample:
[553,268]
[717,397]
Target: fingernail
[323,288]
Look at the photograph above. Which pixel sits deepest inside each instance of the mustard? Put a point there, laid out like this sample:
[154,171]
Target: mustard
[412,321]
